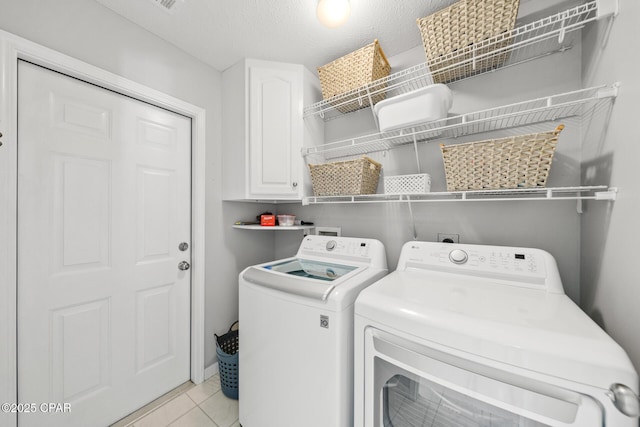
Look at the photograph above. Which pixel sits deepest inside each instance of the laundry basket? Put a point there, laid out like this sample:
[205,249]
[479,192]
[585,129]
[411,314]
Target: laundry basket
[227,351]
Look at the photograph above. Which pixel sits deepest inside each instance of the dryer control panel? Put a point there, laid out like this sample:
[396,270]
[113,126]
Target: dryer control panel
[526,267]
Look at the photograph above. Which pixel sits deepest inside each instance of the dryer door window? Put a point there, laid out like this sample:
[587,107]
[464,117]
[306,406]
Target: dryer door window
[414,386]
[409,402]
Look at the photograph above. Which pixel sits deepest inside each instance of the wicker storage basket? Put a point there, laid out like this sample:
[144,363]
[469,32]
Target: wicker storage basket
[419,183]
[452,32]
[514,162]
[346,178]
[353,71]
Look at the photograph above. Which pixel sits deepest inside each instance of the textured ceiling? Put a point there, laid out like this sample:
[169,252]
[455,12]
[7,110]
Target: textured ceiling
[221,32]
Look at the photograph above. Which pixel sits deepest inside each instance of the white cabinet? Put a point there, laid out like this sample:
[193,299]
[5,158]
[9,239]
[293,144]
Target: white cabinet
[263,130]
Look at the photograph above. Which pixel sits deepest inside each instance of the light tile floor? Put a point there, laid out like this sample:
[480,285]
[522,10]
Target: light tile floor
[202,405]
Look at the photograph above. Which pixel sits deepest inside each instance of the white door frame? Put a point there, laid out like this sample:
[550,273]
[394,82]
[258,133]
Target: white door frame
[13,48]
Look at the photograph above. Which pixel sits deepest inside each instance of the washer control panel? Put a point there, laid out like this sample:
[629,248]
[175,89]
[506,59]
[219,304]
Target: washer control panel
[336,246]
[519,266]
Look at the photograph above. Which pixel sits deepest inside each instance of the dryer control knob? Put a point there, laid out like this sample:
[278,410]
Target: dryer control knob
[458,256]
[331,245]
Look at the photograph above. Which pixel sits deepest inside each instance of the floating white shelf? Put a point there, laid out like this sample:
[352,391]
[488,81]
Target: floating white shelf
[274,228]
[524,43]
[530,112]
[599,192]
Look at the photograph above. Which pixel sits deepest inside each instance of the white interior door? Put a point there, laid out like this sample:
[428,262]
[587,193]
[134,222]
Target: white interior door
[103,203]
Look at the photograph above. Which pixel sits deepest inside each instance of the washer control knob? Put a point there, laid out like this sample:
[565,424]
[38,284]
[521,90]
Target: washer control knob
[331,245]
[458,256]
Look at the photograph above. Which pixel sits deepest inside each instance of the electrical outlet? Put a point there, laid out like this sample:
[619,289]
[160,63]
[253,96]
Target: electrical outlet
[448,238]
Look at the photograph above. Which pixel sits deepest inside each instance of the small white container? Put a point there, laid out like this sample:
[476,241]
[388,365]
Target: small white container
[286,220]
[417,107]
[419,183]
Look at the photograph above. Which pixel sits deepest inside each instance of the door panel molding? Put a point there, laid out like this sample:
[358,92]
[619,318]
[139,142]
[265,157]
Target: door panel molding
[12,49]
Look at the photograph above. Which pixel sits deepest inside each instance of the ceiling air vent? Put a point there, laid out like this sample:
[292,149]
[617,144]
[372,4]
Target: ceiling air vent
[169,5]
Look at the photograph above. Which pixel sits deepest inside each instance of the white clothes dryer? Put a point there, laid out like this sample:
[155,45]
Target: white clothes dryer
[296,333]
[478,336]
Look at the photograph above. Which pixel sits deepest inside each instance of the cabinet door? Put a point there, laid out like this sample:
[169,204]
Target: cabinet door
[275,130]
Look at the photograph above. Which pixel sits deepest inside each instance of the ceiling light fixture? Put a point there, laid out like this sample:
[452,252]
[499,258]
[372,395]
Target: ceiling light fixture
[333,13]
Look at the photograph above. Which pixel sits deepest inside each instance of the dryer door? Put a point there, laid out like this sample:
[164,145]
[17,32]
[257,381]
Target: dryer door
[412,385]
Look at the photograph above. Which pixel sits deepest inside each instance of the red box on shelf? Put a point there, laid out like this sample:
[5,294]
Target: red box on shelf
[267,220]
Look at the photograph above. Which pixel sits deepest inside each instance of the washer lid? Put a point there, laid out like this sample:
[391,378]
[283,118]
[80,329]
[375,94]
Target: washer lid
[312,269]
[540,331]
[308,278]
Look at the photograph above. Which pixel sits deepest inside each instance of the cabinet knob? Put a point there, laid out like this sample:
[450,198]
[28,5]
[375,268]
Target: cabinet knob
[295,184]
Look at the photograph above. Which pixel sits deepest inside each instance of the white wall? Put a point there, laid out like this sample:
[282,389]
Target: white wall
[610,233]
[92,33]
[553,226]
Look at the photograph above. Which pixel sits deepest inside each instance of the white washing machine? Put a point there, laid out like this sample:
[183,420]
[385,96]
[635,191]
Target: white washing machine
[468,335]
[296,339]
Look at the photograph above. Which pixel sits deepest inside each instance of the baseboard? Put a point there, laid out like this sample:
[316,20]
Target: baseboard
[210,371]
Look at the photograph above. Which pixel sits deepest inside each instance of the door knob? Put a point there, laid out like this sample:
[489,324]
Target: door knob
[184,265]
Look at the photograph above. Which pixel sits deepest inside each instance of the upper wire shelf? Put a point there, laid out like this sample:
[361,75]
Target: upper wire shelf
[530,112]
[596,192]
[522,44]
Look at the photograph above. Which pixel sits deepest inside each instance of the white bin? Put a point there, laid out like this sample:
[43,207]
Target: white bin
[419,183]
[417,107]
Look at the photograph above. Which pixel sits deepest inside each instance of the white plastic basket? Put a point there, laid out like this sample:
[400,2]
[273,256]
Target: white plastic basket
[419,183]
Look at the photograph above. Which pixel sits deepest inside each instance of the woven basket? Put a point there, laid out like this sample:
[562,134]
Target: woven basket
[515,162]
[353,71]
[346,178]
[419,183]
[448,37]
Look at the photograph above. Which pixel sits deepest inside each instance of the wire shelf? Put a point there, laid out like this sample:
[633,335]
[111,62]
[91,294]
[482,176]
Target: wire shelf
[597,192]
[530,112]
[524,43]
